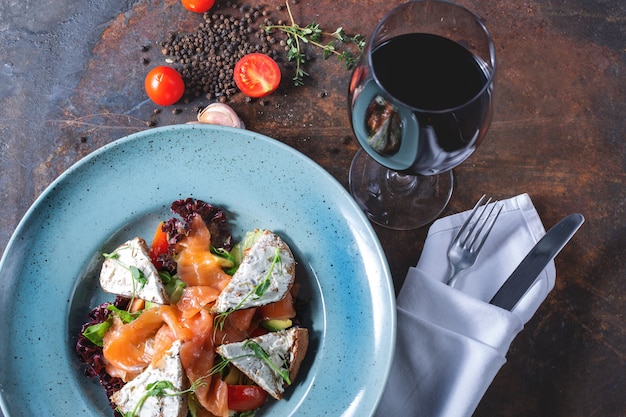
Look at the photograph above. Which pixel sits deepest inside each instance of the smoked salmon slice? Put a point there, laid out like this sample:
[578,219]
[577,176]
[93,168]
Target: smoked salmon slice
[126,346]
[196,265]
[195,299]
[280,310]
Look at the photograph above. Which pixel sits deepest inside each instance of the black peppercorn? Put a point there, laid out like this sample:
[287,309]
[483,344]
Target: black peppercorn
[208,55]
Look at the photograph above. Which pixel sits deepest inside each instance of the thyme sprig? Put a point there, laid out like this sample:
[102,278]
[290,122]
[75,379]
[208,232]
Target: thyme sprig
[313,34]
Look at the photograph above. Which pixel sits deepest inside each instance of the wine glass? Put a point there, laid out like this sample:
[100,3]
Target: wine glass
[420,103]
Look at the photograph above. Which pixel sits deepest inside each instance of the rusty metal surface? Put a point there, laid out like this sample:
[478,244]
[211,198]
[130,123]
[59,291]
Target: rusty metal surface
[71,77]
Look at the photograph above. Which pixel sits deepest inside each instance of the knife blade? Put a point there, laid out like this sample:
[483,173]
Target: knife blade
[539,256]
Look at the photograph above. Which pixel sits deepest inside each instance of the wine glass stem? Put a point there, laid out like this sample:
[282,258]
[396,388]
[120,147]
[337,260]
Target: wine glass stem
[399,183]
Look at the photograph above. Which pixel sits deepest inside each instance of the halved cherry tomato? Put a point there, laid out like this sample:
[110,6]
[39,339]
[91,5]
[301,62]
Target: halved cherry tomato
[198,6]
[257,75]
[164,85]
[159,246]
[245,397]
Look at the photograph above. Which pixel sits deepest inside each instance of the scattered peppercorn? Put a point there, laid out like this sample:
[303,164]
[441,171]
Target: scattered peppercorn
[207,56]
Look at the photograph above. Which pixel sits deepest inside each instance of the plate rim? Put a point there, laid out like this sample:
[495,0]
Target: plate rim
[50,189]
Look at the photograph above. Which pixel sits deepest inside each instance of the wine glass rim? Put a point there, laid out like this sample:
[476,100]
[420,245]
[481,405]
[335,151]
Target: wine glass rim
[492,55]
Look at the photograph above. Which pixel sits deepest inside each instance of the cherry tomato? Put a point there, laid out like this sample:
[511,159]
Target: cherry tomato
[198,6]
[164,85]
[159,246]
[245,397]
[257,75]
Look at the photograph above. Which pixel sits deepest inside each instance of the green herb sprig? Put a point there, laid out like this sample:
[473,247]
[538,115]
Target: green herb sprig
[262,354]
[258,291]
[313,34]
[138,277]
[258,352]
[162,388]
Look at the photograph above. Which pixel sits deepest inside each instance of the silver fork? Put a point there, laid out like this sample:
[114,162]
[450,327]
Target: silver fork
[465,246]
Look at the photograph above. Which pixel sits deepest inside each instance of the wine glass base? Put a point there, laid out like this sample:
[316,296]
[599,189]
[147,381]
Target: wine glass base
[395,200]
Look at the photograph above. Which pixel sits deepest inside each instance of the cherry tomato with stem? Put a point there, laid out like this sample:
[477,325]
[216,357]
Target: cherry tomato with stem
[198,6]
[245,397]
[164,85]
[257,75]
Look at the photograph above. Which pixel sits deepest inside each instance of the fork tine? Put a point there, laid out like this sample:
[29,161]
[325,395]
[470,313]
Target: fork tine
[489,227]
[462,255]
[467,221]
[476,223]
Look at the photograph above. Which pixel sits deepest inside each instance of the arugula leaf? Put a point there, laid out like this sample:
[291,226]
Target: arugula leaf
[223,253]
[124,315]
[95,332]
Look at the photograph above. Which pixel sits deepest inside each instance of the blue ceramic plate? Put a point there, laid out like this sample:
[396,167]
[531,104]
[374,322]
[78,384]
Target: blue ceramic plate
[49,270]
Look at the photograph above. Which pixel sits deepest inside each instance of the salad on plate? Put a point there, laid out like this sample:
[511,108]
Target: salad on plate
[200,326]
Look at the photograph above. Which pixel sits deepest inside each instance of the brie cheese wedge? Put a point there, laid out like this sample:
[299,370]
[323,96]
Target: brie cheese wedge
[268,259]
[286,350]
[169,368]
[117,278]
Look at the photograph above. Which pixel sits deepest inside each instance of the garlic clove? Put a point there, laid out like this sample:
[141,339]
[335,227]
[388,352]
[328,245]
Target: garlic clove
[220,114]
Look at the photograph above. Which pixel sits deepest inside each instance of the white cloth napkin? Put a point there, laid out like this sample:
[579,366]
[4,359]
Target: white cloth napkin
[450,341]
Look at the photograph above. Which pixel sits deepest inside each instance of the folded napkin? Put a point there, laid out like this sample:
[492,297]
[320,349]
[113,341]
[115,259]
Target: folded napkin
[450,341]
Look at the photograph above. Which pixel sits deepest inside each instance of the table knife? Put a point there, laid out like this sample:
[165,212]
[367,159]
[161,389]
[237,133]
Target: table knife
[531,266]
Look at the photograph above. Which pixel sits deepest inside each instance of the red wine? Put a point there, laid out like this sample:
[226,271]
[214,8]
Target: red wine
[427,72]
[445,87]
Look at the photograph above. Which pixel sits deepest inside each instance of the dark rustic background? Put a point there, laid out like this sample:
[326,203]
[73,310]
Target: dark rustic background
[71,80]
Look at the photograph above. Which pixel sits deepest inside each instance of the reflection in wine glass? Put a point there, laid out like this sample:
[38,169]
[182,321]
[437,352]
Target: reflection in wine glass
[420,103]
